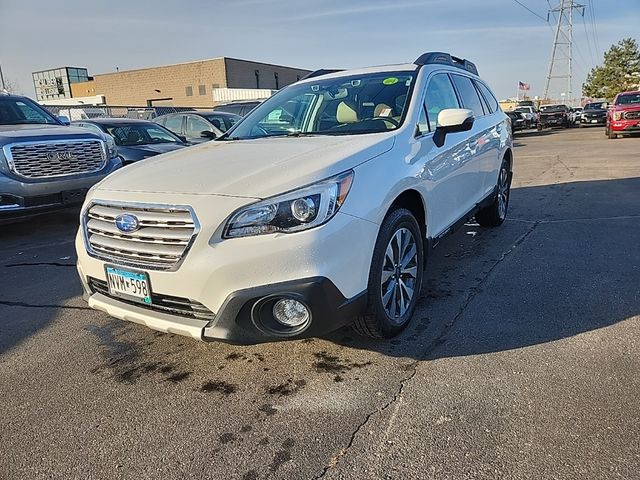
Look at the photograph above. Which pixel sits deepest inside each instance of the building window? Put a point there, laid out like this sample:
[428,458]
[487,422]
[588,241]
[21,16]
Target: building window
[202,89]
[257,74]
[188,91]
[275,75]
[215,85]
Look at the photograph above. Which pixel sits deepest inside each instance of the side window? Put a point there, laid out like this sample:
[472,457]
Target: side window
[174,124]
[440,96]
[468,95]
[488,96]
[423,123]
[197,125]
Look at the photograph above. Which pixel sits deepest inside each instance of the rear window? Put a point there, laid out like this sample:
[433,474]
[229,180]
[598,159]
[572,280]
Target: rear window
[488,97]
[468,94]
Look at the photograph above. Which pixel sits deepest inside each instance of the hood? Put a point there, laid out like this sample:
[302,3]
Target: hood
[140,152]
[29,133]
[249,168]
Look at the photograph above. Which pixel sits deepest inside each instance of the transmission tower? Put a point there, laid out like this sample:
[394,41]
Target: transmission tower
[560,66]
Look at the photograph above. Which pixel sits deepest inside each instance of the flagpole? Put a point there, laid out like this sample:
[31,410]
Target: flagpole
[518,91]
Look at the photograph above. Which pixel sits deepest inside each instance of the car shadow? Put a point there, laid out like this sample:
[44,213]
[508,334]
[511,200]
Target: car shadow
[565,263]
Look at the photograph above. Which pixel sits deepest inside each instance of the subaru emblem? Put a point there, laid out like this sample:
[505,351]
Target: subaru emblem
[127,223]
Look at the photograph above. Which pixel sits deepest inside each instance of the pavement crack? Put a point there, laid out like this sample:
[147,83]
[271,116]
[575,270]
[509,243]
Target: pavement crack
[31,305]
[413,366]
[344,450]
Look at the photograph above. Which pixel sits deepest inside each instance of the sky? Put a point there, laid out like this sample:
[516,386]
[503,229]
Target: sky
[507,42]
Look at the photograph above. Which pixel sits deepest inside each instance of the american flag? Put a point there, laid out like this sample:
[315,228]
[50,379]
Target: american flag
[524,86]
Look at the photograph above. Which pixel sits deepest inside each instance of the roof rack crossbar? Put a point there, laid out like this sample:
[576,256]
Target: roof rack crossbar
[322,71]
[443,58]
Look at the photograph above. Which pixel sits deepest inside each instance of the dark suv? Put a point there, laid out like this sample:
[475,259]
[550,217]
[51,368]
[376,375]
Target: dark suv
[198,127]
[594,114]
[554,116]
[44,163]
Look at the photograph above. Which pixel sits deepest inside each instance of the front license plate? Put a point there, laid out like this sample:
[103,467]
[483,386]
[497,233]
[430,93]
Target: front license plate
[594,121]
[128,284]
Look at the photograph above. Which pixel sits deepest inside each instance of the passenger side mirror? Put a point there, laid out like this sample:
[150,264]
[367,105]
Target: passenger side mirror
[452,120]
[64,119]
[208,134]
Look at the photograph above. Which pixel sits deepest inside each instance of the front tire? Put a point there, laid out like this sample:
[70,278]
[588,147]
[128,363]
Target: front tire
[611,135]
[395,277]
[494,215]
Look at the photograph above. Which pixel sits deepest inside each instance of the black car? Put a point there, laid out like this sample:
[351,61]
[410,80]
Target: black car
[594,114]
[517,121]
[554,116]
[198,127]
[135,139]
[237,108]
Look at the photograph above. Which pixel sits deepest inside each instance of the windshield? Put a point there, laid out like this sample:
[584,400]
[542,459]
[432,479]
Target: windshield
[595,106]
[523,110]
[131,135]
[223,122]
[18,111]
[368,103]
[553,108]
[628,99]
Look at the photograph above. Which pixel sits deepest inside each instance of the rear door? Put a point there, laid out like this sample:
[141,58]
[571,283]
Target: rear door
[475,145]
[174,123]
[490,156]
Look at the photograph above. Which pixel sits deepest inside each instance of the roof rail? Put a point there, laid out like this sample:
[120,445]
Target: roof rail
[446,59]
[322,71]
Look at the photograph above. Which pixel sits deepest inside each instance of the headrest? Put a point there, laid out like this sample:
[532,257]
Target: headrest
[346,113]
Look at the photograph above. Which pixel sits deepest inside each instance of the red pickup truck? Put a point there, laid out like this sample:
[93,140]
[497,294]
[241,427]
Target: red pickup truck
[624,114]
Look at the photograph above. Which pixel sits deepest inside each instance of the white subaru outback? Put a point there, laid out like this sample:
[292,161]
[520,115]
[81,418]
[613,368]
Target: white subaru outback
[316,211]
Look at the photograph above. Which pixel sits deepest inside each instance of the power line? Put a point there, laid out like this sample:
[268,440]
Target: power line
[531,11]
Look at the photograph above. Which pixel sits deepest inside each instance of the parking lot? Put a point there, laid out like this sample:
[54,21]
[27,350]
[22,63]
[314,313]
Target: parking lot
[522,360]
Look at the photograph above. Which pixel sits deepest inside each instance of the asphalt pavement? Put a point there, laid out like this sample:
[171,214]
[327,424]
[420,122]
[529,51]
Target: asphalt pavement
[522,361]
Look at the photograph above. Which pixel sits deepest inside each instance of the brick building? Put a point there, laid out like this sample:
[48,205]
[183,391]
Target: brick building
[185,84]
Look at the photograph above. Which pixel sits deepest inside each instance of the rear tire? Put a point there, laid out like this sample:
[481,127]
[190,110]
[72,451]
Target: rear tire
[395,277]
[495,214]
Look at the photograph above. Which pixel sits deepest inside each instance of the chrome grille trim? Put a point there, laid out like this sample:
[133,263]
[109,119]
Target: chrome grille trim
[632,115]
[30,159]
[166,234]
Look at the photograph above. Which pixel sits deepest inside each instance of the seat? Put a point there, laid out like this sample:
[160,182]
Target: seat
[346,113]
[134,137]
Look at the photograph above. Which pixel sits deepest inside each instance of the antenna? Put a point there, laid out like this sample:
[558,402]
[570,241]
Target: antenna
[561,64]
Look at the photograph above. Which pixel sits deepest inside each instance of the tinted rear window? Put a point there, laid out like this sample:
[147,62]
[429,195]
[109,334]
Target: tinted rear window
[468,94]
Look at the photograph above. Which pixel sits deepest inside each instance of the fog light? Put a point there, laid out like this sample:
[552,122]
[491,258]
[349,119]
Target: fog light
[290,312]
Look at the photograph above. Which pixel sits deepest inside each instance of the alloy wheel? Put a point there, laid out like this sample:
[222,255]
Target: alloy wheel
[399,274]
[503,192]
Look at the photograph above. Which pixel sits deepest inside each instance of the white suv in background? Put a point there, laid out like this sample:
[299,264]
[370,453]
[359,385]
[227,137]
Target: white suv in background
[317,210]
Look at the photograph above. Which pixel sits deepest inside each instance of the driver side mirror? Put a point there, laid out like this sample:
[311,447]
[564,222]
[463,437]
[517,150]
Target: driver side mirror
[452,120]
[64,119]
[208,134]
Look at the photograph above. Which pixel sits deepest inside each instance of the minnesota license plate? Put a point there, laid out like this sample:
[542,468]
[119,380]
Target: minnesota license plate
[127,284]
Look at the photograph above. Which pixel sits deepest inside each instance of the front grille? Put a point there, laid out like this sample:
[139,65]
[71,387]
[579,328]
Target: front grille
[164,235]
[162,303]
[55,159]
[635,115]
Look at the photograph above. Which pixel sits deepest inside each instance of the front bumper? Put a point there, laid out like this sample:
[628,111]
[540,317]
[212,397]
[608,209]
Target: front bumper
[593,121]
[625,126]
[19,198]
[327,268]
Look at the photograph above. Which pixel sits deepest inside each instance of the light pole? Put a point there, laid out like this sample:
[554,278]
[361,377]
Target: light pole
[2,79]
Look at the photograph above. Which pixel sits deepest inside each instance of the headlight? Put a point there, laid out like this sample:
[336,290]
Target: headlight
[112,149]
[291,212]
[617,115]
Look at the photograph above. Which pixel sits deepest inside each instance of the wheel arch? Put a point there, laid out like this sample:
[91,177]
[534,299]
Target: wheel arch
[413,201]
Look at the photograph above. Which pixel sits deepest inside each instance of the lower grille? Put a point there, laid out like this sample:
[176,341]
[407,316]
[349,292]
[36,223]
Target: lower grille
[180,306]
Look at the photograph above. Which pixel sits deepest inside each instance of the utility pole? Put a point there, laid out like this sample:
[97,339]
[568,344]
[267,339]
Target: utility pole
[561,63]
[2,79]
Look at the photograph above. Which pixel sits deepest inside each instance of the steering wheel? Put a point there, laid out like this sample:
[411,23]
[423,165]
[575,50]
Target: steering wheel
[257,131]
[386,119]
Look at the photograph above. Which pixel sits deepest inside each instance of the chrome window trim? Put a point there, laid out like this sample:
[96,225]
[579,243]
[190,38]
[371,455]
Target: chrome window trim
[6,149]
[142,265]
